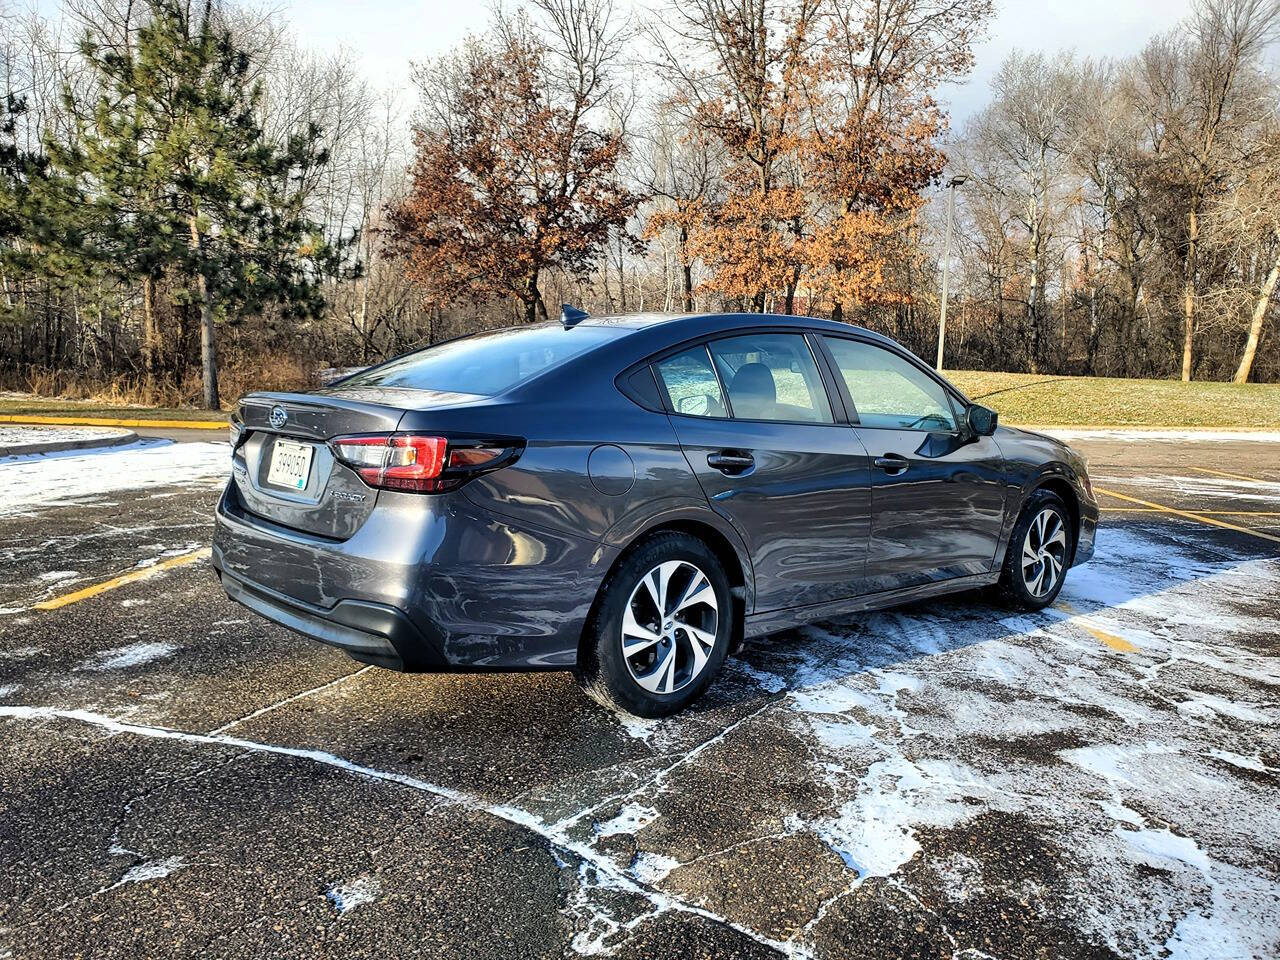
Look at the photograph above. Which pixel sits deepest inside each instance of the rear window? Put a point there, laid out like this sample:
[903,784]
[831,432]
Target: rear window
[486,364]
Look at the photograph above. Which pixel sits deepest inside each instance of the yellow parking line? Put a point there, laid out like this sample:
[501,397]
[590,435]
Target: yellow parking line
[1119,644]
[1207,513]
[116,422]
[1190,516]
[1223,473]
[133,576]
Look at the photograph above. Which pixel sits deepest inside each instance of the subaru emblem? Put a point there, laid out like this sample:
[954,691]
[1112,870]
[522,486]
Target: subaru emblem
[278,417]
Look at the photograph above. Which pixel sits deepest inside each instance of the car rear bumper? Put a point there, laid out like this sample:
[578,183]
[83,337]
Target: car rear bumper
[370,632]
[425,584]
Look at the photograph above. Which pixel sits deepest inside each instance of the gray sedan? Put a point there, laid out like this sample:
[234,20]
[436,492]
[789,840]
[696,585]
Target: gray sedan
[632,497]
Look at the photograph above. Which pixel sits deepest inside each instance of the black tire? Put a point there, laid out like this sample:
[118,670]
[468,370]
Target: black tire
[1013,588]
[603,670]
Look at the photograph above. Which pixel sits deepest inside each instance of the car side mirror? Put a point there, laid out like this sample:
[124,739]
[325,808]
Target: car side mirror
[697,405]
[982,420]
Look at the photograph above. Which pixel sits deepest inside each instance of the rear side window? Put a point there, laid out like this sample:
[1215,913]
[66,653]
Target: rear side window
[771,376]
[691,383]
[888,391]
[486,364]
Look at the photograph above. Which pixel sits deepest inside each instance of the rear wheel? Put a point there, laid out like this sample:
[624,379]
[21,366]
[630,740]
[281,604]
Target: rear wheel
[661,629]
[1035,563]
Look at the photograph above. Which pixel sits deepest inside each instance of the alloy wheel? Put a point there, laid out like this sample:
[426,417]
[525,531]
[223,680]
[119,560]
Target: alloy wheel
[669,626]
[1044,553]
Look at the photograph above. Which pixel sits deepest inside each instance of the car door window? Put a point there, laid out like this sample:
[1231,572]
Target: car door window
[691,383]
[888,391]
[771,376]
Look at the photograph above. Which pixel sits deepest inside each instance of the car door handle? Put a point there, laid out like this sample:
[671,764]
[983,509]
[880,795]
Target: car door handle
[731,463]
[892,463]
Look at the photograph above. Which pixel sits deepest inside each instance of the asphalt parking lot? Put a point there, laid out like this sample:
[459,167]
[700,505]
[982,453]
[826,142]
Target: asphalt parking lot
[179,778]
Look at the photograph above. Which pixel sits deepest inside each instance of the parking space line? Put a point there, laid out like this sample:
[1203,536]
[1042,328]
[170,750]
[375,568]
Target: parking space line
[1200,517]
[1207,513]
[133,576]
[1232,476]
[1119,644]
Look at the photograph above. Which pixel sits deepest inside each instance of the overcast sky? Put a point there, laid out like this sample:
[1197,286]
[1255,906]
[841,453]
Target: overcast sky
[387,34]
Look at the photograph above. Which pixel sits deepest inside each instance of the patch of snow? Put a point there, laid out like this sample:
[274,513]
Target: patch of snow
[1202,488]
[1157,844]
[652,868]
[961,877]
[345,897]
[20,653]
[1236,760]
[768,682]
[632,818]
[874,833]
[134,655]
[151,870]
[17,439]
[30,484]
[56,575]
[9,689]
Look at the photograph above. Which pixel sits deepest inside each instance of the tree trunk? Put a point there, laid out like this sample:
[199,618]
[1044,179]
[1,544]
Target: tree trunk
[208,341]
[686,269]
[1255,328]
[1033,290]
[149,327]
[534,308]
[1189,291]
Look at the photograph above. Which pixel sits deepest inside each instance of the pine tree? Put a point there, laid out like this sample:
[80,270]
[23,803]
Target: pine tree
[182,182]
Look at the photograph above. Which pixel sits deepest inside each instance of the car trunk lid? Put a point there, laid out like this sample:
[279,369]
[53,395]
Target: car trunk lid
[284,470]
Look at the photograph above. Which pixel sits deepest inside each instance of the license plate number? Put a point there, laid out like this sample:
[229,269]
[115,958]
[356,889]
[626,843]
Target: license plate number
[290,464]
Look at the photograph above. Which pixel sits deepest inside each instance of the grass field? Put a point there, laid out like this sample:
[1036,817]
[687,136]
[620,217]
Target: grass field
[1100,401]
[1019,397]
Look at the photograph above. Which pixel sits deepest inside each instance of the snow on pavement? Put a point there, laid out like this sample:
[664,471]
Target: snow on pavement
[31,484]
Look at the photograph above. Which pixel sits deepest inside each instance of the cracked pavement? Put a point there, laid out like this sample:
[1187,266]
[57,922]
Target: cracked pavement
[180,778]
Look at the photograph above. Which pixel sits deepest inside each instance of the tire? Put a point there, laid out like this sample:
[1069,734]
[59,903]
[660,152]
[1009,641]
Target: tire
[658,677]
[1022,583]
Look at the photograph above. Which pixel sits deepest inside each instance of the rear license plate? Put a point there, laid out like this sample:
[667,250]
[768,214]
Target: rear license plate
[290,464]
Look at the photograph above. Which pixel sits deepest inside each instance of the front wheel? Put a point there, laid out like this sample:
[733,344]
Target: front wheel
[1040,548]
[661,630]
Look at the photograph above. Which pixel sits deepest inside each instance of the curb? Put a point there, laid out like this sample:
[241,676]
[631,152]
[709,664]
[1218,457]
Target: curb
[40,448]
[114,422]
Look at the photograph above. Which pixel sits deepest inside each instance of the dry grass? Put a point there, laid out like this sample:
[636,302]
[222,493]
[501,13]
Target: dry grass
[1101,401]
[1019,397]
[72,392]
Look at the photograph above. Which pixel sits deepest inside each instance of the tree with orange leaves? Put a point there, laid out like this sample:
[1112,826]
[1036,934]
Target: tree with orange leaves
[826,114]
[511,179]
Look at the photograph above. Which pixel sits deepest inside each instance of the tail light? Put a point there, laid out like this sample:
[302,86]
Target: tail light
[421,464]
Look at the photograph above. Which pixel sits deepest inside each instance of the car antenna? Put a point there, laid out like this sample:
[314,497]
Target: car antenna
[571,316]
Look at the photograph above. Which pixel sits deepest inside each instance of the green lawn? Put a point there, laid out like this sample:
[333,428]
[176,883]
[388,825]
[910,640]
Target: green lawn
[1100,401]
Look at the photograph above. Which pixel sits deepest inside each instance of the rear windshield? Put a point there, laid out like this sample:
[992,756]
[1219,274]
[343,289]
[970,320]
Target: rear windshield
[486,364]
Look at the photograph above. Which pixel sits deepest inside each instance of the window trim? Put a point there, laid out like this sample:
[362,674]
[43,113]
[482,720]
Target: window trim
[835,402]
[960,428]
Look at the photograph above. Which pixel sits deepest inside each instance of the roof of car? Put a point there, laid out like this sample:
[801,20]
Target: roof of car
[707,322]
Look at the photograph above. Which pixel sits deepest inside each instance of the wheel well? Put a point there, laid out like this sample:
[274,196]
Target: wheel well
[719,545]
[1068,496]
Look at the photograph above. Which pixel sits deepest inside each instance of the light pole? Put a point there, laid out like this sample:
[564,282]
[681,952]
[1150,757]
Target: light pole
[946,263]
